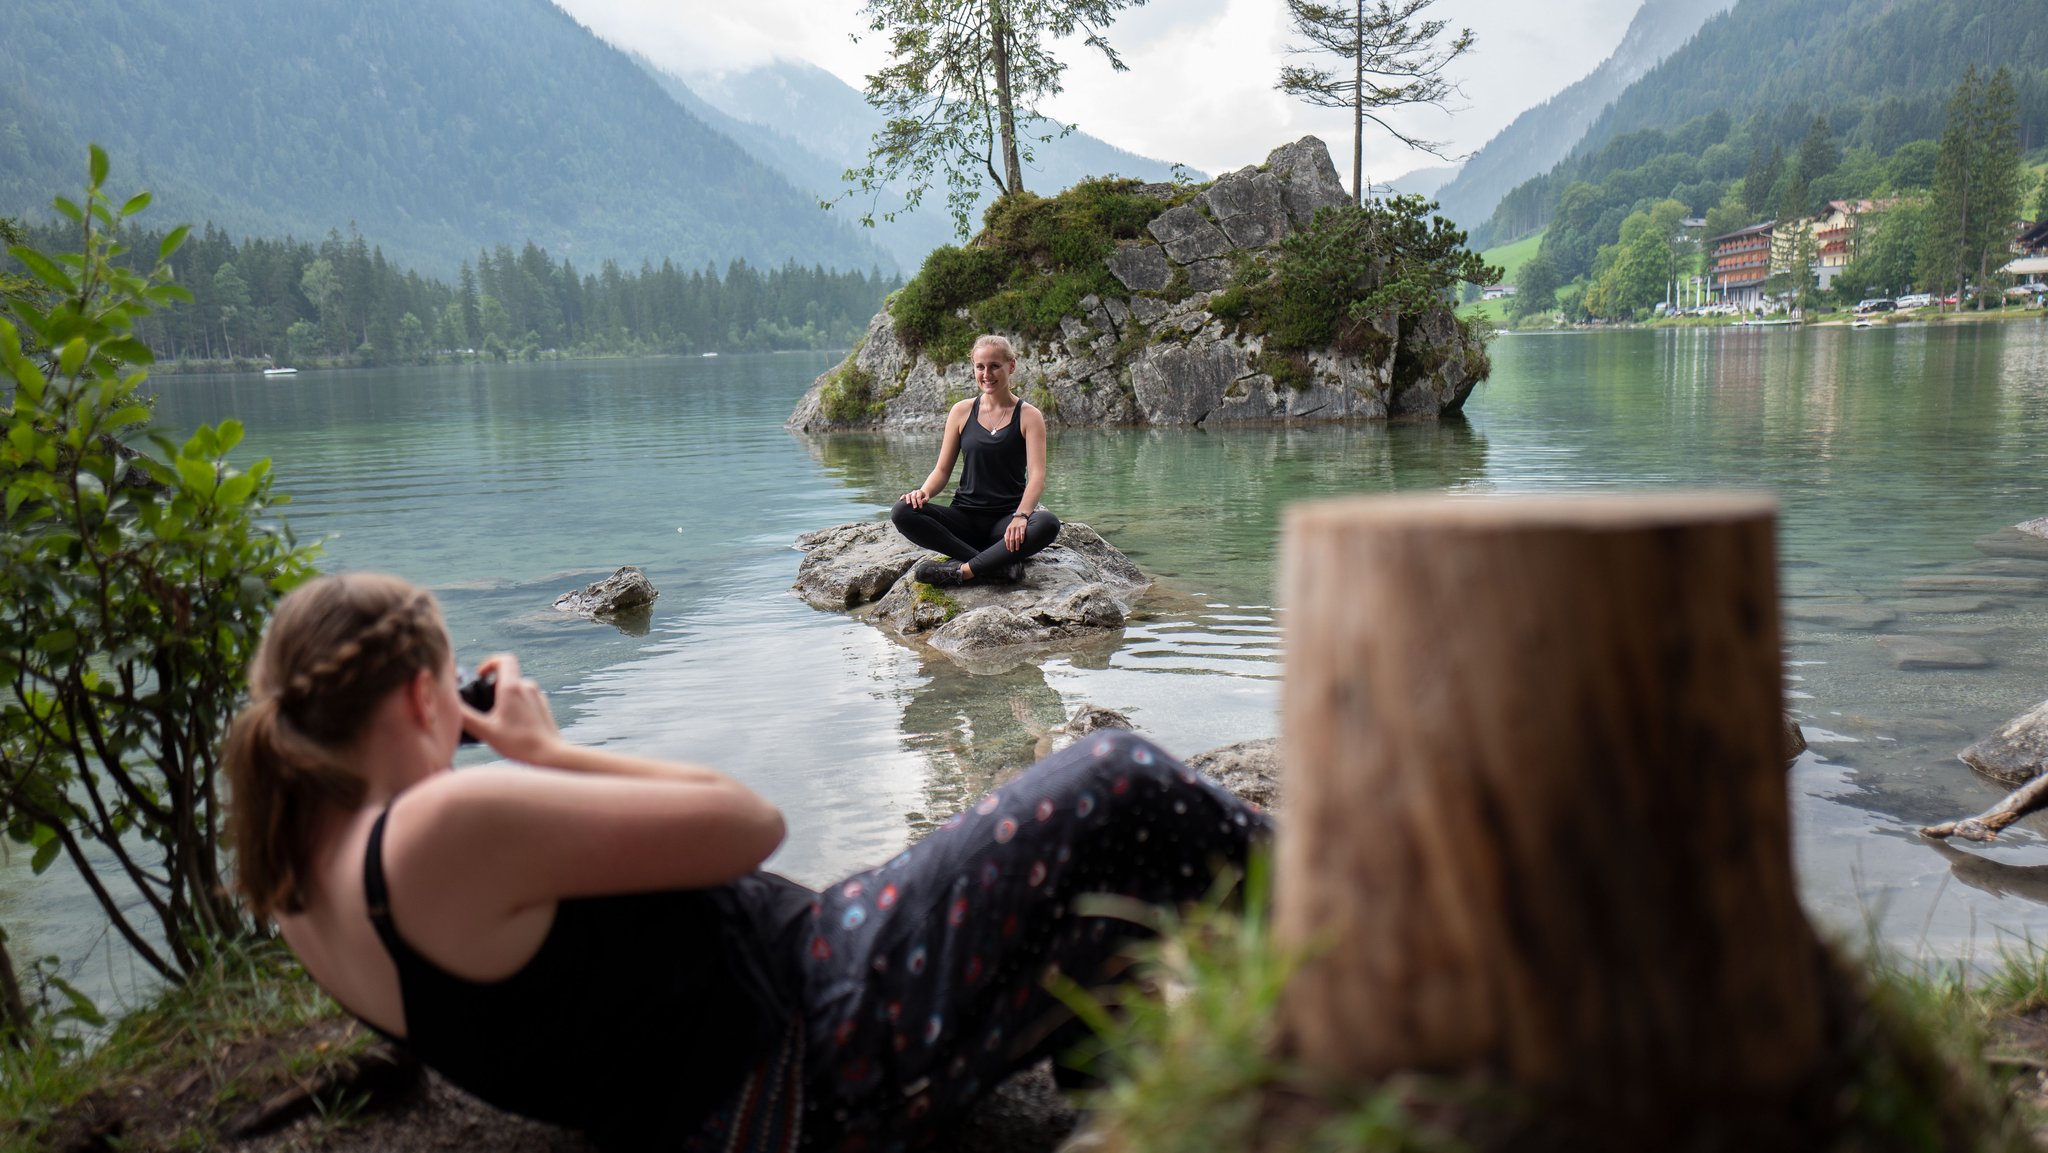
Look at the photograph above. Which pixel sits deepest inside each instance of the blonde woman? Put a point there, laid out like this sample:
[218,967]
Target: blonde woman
[586,937]
[994,521]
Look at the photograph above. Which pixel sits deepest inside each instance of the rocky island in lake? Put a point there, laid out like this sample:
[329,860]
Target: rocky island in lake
[1263,297]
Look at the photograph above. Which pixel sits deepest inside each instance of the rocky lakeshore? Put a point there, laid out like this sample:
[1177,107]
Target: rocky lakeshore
[1159,344]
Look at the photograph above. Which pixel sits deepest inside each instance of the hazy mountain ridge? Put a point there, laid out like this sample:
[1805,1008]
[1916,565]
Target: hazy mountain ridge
[438,129]
[1547,133]
[812,126]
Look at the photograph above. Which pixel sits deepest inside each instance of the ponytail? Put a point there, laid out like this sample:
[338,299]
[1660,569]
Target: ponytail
[335,649]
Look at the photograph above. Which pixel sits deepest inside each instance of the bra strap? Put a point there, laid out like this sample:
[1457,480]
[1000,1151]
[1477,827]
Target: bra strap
[378,896]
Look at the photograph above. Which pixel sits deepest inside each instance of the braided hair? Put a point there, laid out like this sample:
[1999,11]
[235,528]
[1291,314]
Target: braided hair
[335,648]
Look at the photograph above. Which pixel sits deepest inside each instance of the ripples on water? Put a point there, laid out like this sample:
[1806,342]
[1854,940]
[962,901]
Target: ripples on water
[1896,454]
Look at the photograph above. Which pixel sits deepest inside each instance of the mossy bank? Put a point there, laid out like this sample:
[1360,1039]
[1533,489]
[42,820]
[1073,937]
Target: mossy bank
[1263,297]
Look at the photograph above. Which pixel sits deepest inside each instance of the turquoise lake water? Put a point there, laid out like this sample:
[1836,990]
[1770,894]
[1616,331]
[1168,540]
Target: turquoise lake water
[1898,455]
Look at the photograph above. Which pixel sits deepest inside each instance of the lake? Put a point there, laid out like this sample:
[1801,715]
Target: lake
[1897,454]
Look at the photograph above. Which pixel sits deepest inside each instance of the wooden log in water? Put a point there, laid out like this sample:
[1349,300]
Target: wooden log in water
[1538,825]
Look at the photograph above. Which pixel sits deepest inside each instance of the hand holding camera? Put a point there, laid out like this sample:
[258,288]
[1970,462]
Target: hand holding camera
[507,712]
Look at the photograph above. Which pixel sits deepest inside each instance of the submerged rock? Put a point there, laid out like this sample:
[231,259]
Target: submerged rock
[1076,593]
[1927,653]
[2016,752]
[2036,527]
[622,598]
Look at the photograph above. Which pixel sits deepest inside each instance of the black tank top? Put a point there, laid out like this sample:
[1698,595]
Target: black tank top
[991,463]
[640,1014]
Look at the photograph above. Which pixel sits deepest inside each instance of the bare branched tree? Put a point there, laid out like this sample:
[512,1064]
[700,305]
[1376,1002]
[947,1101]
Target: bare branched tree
[961,93]
[1391,57]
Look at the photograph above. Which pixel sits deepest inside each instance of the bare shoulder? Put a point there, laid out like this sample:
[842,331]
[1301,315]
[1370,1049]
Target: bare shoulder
[1033,418]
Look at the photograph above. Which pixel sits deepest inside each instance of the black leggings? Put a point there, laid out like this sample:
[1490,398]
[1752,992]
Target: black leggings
[925,978]
[964,534]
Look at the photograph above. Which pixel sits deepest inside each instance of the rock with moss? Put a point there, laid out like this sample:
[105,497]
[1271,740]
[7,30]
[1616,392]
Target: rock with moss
[1074,595]
[1135,304]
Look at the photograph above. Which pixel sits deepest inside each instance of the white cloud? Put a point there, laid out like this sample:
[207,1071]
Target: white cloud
[1200,86]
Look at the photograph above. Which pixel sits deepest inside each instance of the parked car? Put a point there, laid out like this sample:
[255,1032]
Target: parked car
[1916,300]
[1876,304]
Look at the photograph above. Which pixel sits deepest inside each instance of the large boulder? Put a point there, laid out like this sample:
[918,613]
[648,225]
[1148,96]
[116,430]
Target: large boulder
[1158,356]
[1075,594]
[2016,752]
[853,564]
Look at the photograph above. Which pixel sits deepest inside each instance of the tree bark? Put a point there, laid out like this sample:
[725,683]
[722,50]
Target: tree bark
[1537,816]
[1358,109]
[15,1026]
[999,35]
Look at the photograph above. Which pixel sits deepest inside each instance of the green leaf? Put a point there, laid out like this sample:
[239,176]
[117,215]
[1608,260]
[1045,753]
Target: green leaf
[236,489]
[68,210]
[45,856]
[230,433]
[99,164]
[57,641]
[197,474]
[81,1007]
[43,267]
[73,357]
[136,203]
[173,241]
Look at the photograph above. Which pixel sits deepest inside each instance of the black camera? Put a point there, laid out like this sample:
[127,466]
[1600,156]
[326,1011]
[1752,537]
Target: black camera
[478,692]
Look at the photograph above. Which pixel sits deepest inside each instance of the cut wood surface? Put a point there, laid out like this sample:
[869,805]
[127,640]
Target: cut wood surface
[1538,824]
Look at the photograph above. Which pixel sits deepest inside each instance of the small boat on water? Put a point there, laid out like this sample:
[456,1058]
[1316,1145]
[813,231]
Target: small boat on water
[280,372]
[708,355]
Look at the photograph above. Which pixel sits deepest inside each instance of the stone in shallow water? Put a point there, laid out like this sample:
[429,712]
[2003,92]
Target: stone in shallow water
[1975,583]
[1841,614]
[2012,542]
[1074,595]
[623,593]
[1909,652]
[2017,752]
[2036,527]
[1251,769]
[1941,604]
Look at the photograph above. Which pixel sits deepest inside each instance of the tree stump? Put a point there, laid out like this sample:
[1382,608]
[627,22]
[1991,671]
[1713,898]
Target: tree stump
[1537,816]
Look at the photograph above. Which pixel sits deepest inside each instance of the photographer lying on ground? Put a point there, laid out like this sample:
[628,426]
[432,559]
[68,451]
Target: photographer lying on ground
[588,940]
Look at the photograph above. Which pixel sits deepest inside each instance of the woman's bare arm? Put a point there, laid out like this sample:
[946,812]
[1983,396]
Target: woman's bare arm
[949,451]
[1033,422]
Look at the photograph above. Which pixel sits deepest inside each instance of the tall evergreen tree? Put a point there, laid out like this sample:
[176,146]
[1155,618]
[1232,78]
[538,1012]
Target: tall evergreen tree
[1388,56]
[1762,179]
[1976,185]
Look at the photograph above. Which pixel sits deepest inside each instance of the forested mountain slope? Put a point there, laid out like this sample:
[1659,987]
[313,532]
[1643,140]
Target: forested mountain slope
[811,126]
[437,128]
[1879,71]
[1543,135]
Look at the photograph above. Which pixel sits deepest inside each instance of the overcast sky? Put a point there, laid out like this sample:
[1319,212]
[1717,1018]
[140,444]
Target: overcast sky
[1200,86]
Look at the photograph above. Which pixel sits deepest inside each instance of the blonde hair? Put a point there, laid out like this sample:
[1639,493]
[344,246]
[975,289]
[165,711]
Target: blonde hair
[334,649]
[996,340]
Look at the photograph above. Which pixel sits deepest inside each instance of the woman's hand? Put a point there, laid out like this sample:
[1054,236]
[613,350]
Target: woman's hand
[915,498]
[1013,536]
[519,725]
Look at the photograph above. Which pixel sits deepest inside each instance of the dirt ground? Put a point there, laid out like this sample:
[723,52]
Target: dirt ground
[1026,1115]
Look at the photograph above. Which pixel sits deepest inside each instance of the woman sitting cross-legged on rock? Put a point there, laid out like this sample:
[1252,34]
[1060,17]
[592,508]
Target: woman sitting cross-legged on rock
[589,940]
[994,522]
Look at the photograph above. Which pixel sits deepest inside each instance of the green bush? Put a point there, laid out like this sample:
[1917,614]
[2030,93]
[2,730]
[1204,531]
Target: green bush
[137,580]
[1034,260]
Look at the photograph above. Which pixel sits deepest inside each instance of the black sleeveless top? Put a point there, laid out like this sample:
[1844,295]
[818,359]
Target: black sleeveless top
[992,463]
[640,1014]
